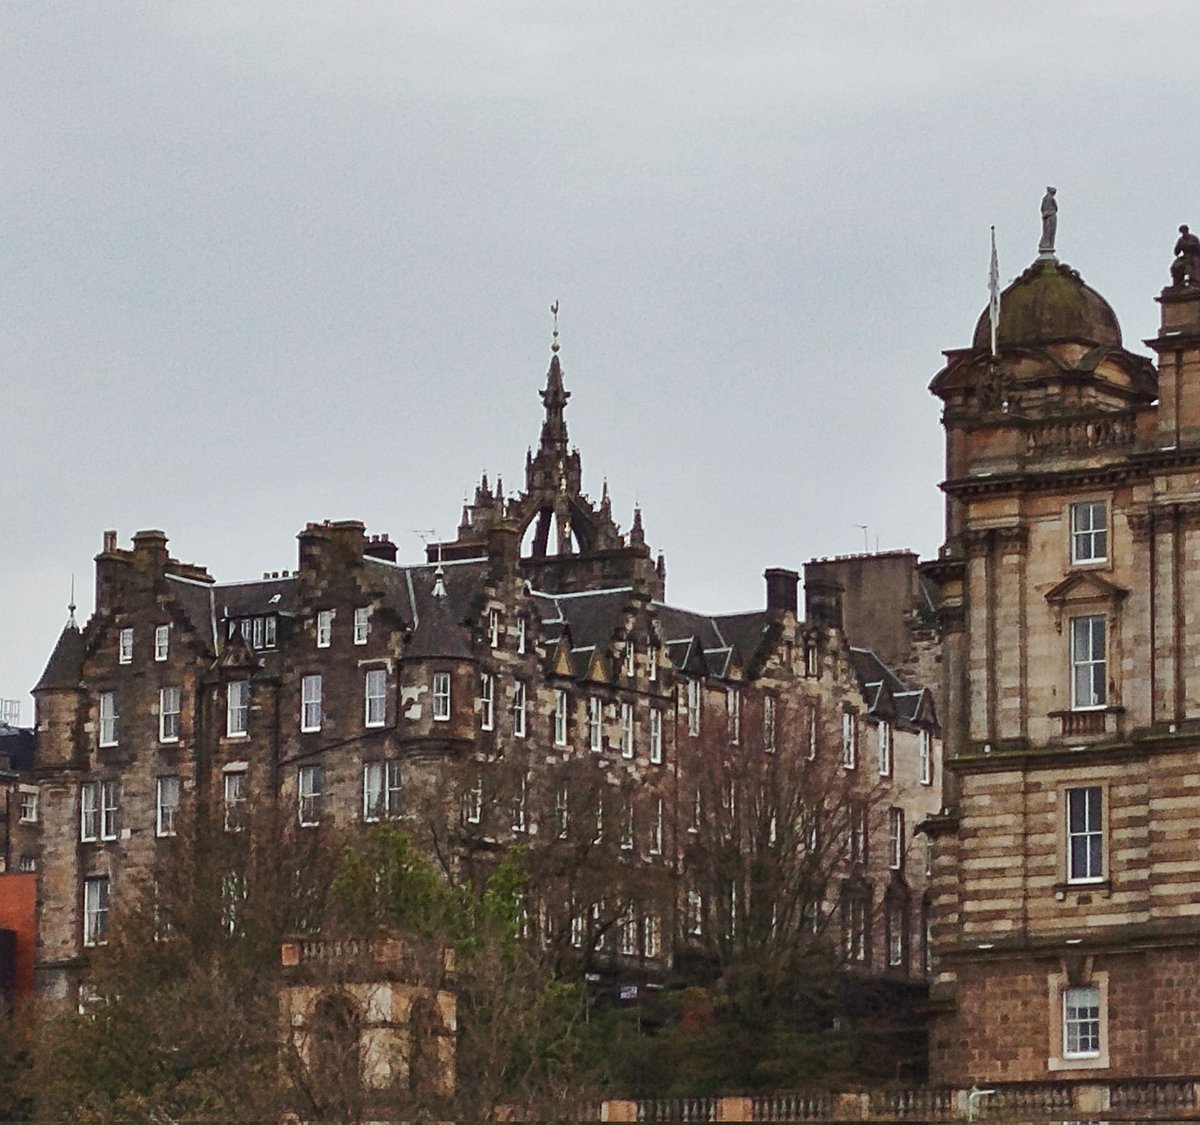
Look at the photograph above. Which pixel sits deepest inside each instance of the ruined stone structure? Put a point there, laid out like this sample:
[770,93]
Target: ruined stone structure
[1066,874]
[528,681]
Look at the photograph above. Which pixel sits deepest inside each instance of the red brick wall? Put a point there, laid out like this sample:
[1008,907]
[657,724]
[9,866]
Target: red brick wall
[18,912]
[1000,1030]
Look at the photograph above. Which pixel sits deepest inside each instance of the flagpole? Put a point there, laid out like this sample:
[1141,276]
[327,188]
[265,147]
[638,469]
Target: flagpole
[994,294]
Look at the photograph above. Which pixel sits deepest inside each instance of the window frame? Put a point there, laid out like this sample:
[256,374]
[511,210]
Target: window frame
[562,811]
[27,804]
[884,747]
[97,899]
[1087,663]
[925,757]
[895,923]
[237,706]
[520,817]
[487,701]
[1086,533]
[561,705]
[1073,1027]
[235,796]
[896,838]
[854,929]
[89,812]
[651,937]
[656,828]
[162,642]
[125,646]
[694,706]
[166,813]
[849,739]
[1057,986]
[519,709]
[595,719]
[1092,828]
[440,690]
[110,809]
[770,722]
[310,789]
[362,624]
[168,731]
[627,731]
[656,736]
[733,707]
[324,628]
[375,702]
[312,705]
[109,726]
[473,801]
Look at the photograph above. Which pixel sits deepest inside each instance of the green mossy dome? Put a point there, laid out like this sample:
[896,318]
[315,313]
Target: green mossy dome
[1049,302]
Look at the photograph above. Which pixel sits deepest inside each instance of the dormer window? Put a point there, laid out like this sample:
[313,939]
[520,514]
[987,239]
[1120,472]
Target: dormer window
[1089,532]
[257,632]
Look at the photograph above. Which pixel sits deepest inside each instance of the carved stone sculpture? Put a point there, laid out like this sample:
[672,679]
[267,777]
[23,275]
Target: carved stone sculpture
[1049,222]
[1185,270]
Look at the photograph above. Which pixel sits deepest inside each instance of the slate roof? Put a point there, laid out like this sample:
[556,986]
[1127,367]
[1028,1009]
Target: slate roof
[442,629]
[252,599]
[197,602]
[64,669]
[879,683]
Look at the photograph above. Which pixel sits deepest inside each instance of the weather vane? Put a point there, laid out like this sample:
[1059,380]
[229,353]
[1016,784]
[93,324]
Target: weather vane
[554,341]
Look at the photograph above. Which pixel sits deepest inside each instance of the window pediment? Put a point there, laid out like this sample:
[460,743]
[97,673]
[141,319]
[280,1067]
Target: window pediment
[1084,589]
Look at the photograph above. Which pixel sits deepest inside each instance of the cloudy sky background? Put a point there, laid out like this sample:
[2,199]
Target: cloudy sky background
[266,262]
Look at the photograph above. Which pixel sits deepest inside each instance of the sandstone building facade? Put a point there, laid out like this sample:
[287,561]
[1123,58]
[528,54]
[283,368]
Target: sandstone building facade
[1066,886]
[730,778]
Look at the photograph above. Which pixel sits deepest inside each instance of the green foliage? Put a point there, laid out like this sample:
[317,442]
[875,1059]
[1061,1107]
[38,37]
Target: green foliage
[761,1028]
[185,1024]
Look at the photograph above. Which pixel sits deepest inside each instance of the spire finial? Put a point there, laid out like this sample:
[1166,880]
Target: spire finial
[554,337]
[71,606]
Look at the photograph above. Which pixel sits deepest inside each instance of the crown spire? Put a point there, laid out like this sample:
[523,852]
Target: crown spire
[554,398]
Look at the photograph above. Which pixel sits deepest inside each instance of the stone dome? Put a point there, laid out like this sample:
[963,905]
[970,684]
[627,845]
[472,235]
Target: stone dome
[1049,302]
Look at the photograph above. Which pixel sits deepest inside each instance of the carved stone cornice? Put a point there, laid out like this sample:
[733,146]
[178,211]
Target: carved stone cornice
[981,541]
[1141,524]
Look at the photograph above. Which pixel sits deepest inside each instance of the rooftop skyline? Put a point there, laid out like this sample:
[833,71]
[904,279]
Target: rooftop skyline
[277,263]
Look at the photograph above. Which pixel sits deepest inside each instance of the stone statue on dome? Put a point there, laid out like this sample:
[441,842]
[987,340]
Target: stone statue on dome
[1049,223]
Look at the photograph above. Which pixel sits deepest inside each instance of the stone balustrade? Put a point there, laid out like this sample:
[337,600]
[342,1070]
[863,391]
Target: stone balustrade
[1149,1099]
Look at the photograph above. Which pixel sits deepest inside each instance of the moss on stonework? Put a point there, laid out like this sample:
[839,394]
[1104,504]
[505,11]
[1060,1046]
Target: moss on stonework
[1048,302]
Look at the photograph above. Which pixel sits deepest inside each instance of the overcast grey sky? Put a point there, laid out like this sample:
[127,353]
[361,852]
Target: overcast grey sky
[266,262]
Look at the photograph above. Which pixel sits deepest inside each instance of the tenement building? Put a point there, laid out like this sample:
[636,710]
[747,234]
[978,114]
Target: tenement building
[1067,878]
[687,783]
